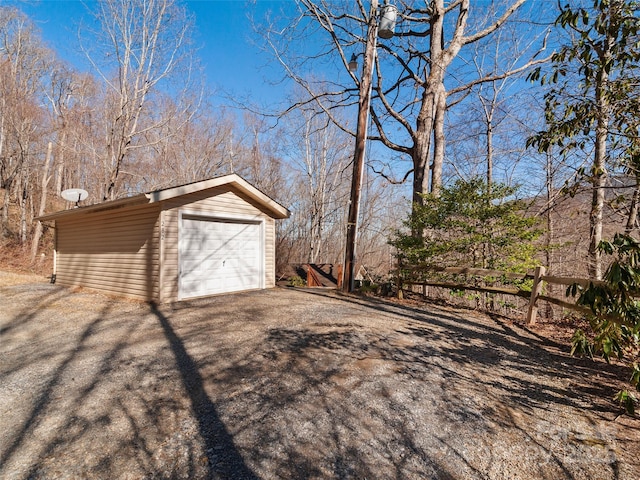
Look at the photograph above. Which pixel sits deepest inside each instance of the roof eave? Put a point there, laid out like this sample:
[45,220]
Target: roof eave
[122,202]
[277,210]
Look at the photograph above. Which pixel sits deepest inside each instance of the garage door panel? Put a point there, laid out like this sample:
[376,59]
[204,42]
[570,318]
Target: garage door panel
[219,256]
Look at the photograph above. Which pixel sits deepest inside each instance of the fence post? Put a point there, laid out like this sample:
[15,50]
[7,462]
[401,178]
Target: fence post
[536,290]
[399,281]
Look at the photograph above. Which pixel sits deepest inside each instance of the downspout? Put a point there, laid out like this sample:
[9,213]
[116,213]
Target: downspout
[55,254]
[161,254]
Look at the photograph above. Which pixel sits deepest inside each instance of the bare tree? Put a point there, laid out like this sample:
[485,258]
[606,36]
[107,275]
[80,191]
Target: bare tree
[319,155]
[142,47]
[410,94]
[186,149]
[23,66]
[259,159]
[487,130]
[64,92]
[384,207]
[66,96]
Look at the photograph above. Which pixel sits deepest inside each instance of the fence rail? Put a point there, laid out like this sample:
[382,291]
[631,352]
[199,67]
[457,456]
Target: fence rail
[539,278]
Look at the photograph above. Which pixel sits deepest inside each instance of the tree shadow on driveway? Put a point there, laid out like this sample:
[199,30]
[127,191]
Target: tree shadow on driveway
[353,388]
[224,458]
[290,384]
[94,387]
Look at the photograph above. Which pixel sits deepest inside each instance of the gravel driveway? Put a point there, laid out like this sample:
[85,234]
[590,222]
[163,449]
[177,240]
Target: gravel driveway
[291,384]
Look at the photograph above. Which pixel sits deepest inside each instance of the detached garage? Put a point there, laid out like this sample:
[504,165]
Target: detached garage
[204,238]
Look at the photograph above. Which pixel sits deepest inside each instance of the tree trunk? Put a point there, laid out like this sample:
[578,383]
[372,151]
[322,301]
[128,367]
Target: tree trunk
[5,208]
[599,172]
[23,214]
[432,100]
[438,141]
[549,233]
[421,150]
[60,159]
[595,226]
[35,242]
[489,120]
[632,218]
[420,154]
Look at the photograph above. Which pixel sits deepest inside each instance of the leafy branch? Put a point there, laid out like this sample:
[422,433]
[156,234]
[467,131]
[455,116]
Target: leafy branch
[615,312]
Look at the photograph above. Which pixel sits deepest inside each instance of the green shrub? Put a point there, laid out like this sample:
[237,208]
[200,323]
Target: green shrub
[615,312]
[297,281]
[470,224]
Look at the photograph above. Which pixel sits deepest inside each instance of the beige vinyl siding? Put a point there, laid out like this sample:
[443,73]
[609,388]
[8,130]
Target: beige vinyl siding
[224,202]
[270,252]
[115,251]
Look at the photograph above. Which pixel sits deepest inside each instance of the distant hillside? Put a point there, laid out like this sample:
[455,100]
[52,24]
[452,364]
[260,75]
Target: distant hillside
[570,228]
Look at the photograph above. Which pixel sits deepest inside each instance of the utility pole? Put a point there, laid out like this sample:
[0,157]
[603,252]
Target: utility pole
[364,104]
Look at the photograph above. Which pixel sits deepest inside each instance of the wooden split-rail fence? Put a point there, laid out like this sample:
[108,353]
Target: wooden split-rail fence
[539,278]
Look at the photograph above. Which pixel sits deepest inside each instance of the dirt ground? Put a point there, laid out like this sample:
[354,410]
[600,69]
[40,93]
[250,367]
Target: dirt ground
[291,384]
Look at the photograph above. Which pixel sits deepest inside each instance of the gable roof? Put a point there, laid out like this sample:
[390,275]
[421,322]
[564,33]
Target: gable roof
[270,205]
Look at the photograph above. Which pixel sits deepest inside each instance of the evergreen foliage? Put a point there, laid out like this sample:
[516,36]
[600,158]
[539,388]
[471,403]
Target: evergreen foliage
[615,311]
[471,225]
[592,106]
[593,77]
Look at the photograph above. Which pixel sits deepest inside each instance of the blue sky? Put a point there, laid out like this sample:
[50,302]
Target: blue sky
[223,31]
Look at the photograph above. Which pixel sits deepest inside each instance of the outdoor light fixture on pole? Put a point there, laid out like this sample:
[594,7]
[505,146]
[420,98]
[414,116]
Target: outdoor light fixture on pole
[385,30]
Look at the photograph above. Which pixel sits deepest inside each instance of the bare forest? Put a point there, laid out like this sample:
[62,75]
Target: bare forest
[456,95]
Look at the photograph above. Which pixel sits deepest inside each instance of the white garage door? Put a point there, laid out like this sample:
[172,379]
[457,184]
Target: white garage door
[219,256]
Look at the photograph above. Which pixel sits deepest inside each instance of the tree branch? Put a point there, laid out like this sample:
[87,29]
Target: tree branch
[492,28]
